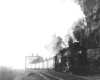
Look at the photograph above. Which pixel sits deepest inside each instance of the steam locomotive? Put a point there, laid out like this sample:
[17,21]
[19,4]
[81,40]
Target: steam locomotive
[69,60]
[72,59]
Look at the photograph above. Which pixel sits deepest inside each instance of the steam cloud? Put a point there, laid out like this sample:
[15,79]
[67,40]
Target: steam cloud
[60,35]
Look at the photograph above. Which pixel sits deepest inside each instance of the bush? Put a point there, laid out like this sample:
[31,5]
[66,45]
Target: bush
[7,73]
[10,74]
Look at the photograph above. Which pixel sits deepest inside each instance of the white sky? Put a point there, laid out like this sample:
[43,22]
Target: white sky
[27,25]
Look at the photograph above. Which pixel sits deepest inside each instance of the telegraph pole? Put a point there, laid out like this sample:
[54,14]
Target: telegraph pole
[32,57]
[25,62]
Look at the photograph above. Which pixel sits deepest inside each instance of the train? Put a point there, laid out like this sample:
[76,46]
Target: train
[72,60]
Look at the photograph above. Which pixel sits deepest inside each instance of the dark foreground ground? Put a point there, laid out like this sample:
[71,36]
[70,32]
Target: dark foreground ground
[52,75]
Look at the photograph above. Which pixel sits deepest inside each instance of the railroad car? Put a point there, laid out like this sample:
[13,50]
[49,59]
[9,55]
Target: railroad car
[45,64]
[41,65]
[51,63]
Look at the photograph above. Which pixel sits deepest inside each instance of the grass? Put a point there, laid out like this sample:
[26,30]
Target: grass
[10,74]
[7,73]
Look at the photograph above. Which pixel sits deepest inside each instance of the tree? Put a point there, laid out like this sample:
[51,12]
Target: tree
[70,42]
[91,9]
[79,31]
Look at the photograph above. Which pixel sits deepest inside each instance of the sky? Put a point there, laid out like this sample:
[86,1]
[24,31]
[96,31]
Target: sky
[26,26]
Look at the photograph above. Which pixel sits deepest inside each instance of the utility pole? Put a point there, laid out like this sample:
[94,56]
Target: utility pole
[47,63]
[43,65]
[25,62]
[32,57]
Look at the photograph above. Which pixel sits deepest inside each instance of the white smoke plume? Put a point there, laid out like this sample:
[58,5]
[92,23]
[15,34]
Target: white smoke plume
[57,35]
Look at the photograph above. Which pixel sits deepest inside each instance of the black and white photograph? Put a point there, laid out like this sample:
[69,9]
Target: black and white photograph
[49,39]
